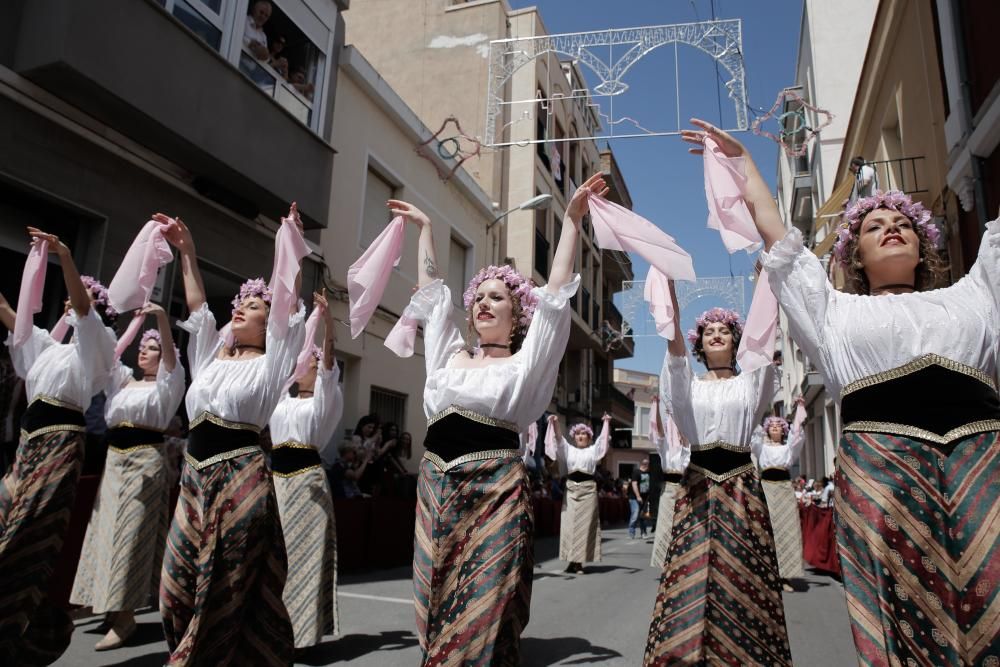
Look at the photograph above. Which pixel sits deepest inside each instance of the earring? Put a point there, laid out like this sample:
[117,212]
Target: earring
[858,265]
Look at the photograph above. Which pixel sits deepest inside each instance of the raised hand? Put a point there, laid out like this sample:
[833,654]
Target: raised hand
[730,146]
[319,301]
[293,215]
[176,232]
[579,203]
[409,212]
[55,245]
[151,309]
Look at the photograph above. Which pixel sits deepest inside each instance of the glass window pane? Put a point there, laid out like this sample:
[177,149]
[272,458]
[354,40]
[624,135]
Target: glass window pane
[264,79]
[293,103]
[190,17]
[214,5]
[376,214]
[455,278]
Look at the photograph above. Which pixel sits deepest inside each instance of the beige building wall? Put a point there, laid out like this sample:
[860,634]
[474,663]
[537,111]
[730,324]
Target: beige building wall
[373,128]
[645,386]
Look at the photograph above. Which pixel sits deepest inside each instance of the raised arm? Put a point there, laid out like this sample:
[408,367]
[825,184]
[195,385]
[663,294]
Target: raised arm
[329,333]
[676,346]
[427,262]
[7,314]
[604,438]
[79,297]
[758,195]
[179,236]
[579,206]
[168,353]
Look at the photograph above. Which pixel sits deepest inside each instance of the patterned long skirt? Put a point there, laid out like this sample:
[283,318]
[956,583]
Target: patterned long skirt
[580,524]
[664,524]
[224,569]
[720,594]
[785,524]
[123,550]
[36,499]
[472,563]
[918,530]
[305,505]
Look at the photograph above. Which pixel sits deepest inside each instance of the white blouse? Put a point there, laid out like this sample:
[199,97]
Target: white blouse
[144,404]
[582,459]
[853,336]
[311,421]
[773,455]
[675,452]
[709,411]
[244,391]
[516,390]
[72,372]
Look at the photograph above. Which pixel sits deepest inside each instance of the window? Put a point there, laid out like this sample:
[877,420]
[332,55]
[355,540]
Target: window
[376,214]
[457,276]
[205,18]
[541,240]
[642,420]
[390,406]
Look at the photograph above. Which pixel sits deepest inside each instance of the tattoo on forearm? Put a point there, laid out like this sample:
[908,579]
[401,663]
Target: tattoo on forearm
[430,268]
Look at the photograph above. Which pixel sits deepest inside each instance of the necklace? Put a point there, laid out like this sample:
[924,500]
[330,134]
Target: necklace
[302,394]
[884,288]
[496,345]
[720,368]
[149,377]
[240,346]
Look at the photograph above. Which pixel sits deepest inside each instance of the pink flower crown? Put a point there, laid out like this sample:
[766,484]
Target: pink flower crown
[519,286]
[771,421]
[728,317]
[891,199]
[154,334]
[581,428]
[251,288]
[100,293]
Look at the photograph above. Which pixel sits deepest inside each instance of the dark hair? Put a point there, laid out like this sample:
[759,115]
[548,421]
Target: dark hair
[929,274]
[857,161]
[365,421]
[388,426]
[699,348]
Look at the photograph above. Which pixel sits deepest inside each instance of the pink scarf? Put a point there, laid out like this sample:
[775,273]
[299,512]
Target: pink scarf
[551,443]
[133,282]
[29,300]
[368,276]
[800,417]
[656,292]
[130,333]
[403,336]
[289,250]
[305,356]
[532,439]
[58,332]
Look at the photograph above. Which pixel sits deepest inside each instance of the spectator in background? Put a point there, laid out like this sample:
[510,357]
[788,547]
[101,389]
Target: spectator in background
[638,492]
[826,495]
[254,37]
[276,60]
[865,179]
[405,447]
[347,470]
[298,80]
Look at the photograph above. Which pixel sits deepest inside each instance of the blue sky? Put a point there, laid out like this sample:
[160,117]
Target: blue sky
[666,183]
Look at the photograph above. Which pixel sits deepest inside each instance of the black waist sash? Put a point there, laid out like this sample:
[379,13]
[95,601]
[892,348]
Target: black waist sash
[293,458]
[212,439]
[931,398]
[775,475]
[580,476]
[720,463]
[128,438]
[43,417]
[672,477]
[458,438]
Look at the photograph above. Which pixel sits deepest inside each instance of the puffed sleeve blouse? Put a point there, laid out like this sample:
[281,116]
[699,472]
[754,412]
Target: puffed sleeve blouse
[852,336]
[72,372]
[711,411]
[516,390]
[144,404]
[311,421]
[243,391]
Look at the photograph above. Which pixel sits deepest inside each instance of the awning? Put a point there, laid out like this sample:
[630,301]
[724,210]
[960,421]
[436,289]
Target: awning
[826,244]
[834,204]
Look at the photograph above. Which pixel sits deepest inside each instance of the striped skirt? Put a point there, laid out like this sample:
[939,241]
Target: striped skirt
[123,550]
[664,524]
[580,524]
[720,595]
[473,560]
[36,499]
[305,505]
[918,530]
[786,526]
[224,569]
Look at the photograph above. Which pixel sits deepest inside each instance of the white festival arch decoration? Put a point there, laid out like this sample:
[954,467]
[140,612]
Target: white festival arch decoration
[728,291]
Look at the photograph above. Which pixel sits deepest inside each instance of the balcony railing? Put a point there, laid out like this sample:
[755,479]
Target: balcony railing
[896,174]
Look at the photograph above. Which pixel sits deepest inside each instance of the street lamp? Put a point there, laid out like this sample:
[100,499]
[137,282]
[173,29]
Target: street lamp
[539,201]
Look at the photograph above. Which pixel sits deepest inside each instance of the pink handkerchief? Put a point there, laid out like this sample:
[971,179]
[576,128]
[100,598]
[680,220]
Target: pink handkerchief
[656,292]
[303,361]
[402,337]
[129,335]
[133,282]
[551,443]
[532,438]
[29,300]
[725,181]
[289,249]
[760,333]
[369,275]
[58,332]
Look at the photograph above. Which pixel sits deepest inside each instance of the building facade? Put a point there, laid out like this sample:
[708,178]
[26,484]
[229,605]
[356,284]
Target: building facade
[642,387]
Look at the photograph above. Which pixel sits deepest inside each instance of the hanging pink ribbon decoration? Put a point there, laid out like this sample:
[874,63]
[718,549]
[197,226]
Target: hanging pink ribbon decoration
[368,276]
[29,300]
[305,356]
[133,282]
[551,444]
[617,228]
[129,335]
[59,331]
[656,292]
[289,250]
[725,183]
[403,336]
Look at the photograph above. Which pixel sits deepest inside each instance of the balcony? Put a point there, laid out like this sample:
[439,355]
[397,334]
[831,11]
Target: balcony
[136,68]
[607,398]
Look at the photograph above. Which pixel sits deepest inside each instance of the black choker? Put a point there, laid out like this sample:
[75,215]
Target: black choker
[894,286]
[302,393]
[238,346]
[720,368]
[148,377]
[496,345]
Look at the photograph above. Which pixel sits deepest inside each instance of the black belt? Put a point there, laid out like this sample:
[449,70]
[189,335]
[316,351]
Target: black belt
[290,459]
[212,439]
[580,476]
[128,438]
[720,463]
[672,477]
[775,475]
[931,398]
[42,416]
[456,438]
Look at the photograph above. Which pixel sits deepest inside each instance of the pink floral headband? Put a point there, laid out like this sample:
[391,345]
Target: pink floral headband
[100,293]
[254,287]
[581,428]
[772,421]
[154,334]
[519,286]
[893,200]
[728,317]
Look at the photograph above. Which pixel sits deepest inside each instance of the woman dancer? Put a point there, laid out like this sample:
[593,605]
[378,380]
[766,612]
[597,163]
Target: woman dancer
[300,426]
[224,566]
[675,455]
[775,460]
[720,596]
[472,563]
[123,550]
[919,459]
[580,527]
[37,494]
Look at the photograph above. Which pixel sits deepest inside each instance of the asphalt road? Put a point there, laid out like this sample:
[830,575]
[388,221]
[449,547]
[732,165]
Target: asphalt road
[598,618]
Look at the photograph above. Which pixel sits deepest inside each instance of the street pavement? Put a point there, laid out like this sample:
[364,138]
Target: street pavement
[598,618]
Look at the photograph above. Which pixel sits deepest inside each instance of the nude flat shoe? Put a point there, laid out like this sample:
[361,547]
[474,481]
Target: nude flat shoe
[116,637]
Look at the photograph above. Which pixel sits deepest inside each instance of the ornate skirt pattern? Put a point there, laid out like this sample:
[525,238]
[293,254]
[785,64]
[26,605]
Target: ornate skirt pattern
[580,524]
[719,600]
[224,569]
[786,526]
[664,524]
[36,499]
[473,561]
[305,505]
[918,530]
[123,549]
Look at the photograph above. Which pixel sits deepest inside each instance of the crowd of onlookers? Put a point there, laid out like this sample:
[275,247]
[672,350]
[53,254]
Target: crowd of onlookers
[817,492]
[371,462]
[272,50]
